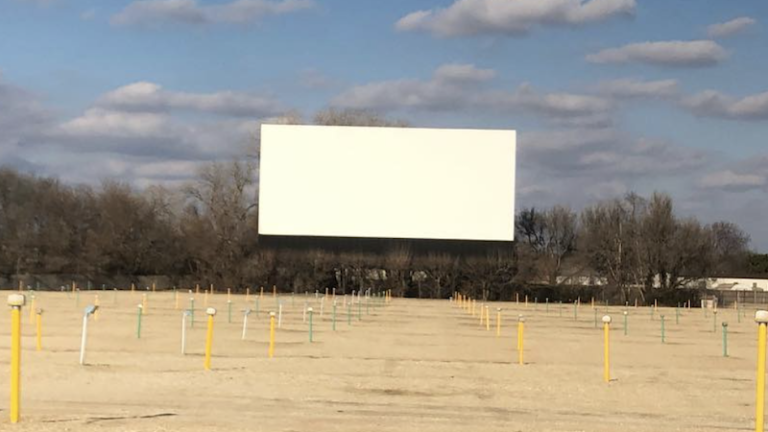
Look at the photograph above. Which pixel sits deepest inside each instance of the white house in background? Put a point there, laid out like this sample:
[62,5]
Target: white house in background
[715,283]
[737,284]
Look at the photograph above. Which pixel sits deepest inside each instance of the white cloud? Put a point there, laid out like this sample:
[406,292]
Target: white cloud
[567,139]
[461,87]
[511,18]
[21,115]
[699,53]
[730,28]
[735,182]
[633,88]
[103,123]
[605,153]
[189,12]
[153,134]
[463,73]
[711,103]
[146,96]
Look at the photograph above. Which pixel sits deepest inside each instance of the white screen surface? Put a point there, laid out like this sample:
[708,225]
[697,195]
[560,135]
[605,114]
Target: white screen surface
[333,181]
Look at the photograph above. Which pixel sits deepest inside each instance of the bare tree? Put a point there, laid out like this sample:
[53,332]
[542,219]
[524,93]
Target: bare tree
[349,117]
[547,239]
[397,262]
[607,240]
[223,209]
[441,268]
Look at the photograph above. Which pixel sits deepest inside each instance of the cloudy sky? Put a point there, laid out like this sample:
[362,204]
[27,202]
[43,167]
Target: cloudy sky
[608,95]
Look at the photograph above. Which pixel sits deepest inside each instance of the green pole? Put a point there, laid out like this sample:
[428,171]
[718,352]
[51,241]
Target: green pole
[138,323]
[625,322]
[310,324]
[192,312]
[662,329]
[725,339]
[229,311]
[334,315]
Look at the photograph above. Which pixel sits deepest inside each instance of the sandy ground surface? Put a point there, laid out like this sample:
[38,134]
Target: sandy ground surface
[410,366]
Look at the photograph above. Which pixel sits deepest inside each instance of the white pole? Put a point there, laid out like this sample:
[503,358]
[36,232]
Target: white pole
[183,333]
[84,338]
[245,325]
[280,315]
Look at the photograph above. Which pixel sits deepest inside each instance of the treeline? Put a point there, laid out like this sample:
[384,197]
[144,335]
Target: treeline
[205,232]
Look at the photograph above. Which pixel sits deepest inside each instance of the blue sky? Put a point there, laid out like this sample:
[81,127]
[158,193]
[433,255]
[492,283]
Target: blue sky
[608,95]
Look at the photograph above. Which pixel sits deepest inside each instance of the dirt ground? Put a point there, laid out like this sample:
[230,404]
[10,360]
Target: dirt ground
[414,365]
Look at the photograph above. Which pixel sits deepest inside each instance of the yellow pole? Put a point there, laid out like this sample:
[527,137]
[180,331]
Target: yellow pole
[761,317]
[607,348]
[487,318]
[271,334]
[520,336]
[498,322]
[481,314]
[209,338]
[15,301]
[39,329]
